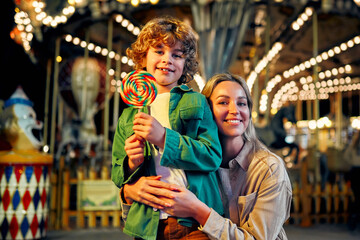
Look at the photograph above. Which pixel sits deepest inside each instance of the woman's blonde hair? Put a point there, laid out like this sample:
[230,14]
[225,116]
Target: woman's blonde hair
[168,31]
[250,133]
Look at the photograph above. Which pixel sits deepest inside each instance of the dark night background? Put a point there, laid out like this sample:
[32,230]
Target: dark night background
[16,66]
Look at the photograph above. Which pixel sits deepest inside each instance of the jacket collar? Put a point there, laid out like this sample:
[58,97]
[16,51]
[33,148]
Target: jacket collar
[243,158]
[181,88]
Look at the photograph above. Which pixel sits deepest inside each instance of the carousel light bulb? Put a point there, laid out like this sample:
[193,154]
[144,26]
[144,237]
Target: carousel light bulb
[41,4]
[63,19]
[312,124]
[66,11]
[300,21]
[130,27]
[111,54]
[119,18]
[350,43]
[111,73]
[46,148]
[53,23]
[71,9]
[328,73]
[29,36]
[76,41]
[26,21]
[337,50]
[136,31]
[97,49]
[104,52]
[286,74]
[357,39]
[262,108]
[29,28]
[91,46]
[304,17]
[295,26]
[21,27]
[309,11]
[348,68]
[38,17]
[124,59]
[125,23]
[334,71]
[321,75]
[83,44]
[331,53]
[341,70]
[312,61]
[324,55]
[343,46]
[319,59]
[135,3]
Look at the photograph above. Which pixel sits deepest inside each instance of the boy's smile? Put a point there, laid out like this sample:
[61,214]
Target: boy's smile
[166,64]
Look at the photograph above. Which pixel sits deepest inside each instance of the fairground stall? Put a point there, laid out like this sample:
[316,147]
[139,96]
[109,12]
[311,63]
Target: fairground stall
[60,106]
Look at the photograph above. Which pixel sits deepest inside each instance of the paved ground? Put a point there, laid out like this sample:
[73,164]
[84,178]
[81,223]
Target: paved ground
[317,232]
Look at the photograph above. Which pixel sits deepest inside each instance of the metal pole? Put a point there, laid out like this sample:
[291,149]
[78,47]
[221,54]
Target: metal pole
[84,82]
[55,95]
[267,48]
[107,86]
[116,94]
[316,101]
[338,119]
[47,96]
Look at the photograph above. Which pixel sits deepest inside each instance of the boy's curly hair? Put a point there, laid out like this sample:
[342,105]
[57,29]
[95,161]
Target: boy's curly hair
[169,31]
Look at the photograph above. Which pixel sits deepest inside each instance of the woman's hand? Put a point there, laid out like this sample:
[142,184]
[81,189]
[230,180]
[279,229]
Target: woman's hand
[149,129]
[134,148]
[186,204]
[150,191]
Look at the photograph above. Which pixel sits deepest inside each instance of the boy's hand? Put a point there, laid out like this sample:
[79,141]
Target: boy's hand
[134,148]
[149,129]
[150,191]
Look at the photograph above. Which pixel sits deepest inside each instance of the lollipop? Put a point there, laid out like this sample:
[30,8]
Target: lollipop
[138,89]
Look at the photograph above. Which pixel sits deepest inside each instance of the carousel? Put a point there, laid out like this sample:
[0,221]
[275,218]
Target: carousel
[58,114]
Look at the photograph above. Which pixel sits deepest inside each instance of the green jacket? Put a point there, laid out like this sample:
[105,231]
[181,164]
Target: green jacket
[192,145]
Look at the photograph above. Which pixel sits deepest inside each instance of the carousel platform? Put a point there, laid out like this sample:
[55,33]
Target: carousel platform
[316,232]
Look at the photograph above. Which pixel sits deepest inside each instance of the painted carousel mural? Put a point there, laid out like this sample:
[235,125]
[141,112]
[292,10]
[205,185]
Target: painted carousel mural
[301,61]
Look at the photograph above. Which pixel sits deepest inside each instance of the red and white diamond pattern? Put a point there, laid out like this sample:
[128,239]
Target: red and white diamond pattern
[24,192]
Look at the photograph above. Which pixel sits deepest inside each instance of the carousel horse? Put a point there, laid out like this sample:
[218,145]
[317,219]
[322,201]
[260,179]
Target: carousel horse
[274,134]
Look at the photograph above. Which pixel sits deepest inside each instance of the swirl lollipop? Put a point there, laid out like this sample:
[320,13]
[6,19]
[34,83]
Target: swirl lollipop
[138,89]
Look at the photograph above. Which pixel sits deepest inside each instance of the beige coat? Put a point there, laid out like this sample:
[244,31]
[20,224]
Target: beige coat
[257,196]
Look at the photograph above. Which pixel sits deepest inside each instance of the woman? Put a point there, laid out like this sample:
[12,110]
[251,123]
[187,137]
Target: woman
[255,188]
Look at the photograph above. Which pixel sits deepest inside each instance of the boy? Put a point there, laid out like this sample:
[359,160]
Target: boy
[177,139]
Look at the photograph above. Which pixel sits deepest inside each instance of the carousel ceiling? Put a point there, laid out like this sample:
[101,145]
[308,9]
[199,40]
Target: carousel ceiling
[272,41]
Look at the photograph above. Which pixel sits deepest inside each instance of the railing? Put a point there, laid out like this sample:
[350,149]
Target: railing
[310,205]
[313,205]
[62,217]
